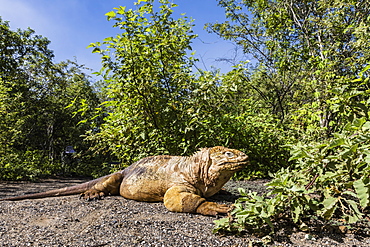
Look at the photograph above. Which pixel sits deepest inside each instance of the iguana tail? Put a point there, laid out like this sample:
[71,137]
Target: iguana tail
[72,190]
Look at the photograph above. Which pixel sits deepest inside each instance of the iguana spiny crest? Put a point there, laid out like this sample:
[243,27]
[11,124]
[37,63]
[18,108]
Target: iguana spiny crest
[181,182]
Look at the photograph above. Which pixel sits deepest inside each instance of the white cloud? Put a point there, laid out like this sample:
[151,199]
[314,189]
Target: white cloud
[50,19]
[71,25]
[22,14]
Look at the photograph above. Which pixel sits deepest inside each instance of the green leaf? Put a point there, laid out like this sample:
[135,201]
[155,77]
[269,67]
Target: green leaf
[296,188]
[351,219]
[221,224]
[242,191]
[336,143]
[121,10]
[297,211]
[363,192]
[329,207]
[355,209]
[111,14]
[298,154]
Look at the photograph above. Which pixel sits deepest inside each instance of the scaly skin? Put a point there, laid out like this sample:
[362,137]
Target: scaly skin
[181,182]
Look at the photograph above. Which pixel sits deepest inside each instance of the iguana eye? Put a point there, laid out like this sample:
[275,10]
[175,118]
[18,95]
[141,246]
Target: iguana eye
[229,154]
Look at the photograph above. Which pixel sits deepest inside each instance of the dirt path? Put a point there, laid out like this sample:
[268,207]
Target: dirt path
[115,221]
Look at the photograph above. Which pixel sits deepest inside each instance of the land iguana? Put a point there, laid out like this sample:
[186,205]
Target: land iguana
[181,182]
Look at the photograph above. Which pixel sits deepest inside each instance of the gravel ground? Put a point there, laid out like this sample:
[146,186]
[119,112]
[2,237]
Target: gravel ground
[115,221]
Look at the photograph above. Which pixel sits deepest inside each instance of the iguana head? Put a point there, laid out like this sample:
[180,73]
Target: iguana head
[215,166]
[226,159]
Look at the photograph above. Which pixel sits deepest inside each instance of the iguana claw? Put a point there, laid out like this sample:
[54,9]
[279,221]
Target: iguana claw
[212,208]
[92,194]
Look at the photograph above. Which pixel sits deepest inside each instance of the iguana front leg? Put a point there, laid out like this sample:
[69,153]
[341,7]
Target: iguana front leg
[107,186]
[184,199]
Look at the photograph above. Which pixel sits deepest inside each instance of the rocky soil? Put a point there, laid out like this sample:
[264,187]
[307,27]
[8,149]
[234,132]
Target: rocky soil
[115,221]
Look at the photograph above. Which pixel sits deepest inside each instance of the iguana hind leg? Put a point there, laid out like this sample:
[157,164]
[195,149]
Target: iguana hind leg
[185,199]
[212,208]
[107,186]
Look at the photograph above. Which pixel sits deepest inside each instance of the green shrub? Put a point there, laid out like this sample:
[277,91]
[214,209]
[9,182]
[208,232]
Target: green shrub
[330,180]
[24,165]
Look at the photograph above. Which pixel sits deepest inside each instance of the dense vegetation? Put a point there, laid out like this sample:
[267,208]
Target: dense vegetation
[35,124]
[299,108]
[311,74]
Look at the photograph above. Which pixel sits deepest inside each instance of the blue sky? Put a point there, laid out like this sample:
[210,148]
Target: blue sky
[71,25]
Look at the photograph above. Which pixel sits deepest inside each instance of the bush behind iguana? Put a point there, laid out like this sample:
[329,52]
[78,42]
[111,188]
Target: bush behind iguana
[181,182]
